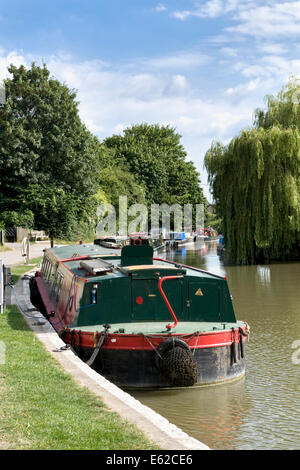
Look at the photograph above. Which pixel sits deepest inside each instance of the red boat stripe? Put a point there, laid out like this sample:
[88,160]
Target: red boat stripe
[140,342]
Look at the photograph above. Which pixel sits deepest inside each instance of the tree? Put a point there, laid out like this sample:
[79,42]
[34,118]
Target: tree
[23,218]
[155,156]
[116,181]
[44,147]
[55,210]
[53,170]
[256,183]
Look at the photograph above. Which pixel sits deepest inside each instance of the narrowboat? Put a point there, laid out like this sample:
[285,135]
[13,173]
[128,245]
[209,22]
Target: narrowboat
[210,234]
[109,242]
[180,239]
[140,321]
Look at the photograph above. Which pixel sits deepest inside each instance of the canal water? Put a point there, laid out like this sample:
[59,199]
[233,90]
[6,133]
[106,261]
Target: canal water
[261,410]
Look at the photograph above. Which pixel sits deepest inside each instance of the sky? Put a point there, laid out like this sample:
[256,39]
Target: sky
[201,67]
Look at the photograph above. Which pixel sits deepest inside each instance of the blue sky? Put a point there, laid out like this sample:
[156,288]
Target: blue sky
[200,66]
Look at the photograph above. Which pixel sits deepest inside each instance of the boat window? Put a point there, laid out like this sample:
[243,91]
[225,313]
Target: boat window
[46,268]
[57,285]
[43,265]
[52,278]
[60,281]
[49,273]
[49,270]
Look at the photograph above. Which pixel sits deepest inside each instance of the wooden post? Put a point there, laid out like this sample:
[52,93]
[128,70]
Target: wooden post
[1,287]
[26,249]
[2,234]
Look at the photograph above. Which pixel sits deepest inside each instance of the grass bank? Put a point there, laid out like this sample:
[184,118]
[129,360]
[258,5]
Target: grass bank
[19,269]
[42,407]
[61,241]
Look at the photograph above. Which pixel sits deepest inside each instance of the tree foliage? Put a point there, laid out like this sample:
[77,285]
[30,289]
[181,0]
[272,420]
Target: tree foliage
[45,150]
[157,159]
[54,173]
[256,183]
[117,181]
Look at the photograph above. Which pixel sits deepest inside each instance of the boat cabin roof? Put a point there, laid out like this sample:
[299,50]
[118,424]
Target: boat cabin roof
[93,262]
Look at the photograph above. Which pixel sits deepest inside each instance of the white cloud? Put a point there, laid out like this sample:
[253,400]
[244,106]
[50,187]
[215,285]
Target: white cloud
[181,15]
[182,60]
[244,88]
[209,9]
[274,20]
[9,58]
[110,97]
[273,48]
[160,7]
[274,67]
[256,18]
[229,51]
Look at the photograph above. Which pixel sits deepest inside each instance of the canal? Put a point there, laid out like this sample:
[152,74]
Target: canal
[261,410]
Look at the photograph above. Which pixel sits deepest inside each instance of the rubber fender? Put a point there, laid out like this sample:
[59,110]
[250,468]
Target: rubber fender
[179,367]
[166,345]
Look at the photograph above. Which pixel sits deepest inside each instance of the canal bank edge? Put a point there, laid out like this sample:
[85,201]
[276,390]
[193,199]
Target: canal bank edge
[154,426]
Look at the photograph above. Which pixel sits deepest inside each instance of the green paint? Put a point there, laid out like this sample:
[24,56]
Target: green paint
[130,293]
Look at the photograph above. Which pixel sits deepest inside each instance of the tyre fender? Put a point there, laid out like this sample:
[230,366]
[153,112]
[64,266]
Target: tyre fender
[166,345]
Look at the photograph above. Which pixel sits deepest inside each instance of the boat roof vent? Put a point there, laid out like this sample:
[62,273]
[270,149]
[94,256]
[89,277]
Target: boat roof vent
[97,266]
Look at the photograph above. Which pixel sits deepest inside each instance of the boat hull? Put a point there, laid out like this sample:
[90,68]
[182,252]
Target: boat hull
[139,367]
[137,370]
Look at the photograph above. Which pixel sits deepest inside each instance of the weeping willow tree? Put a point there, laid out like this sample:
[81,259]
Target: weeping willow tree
[255,181]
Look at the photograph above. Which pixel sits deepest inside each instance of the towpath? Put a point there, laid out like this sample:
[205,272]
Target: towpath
[10,258]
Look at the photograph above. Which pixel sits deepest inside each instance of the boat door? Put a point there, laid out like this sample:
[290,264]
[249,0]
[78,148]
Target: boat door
[148,304]
[204,301]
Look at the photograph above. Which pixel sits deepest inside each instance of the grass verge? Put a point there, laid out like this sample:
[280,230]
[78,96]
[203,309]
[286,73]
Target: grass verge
[19,269]
[42,407]
[60,241]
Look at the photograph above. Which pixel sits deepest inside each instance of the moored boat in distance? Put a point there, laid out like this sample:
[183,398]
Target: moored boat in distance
[112,242]
[178,239]
[141,321]
[210,234]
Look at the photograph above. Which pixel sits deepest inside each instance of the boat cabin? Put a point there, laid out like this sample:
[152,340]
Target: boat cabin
[89,288]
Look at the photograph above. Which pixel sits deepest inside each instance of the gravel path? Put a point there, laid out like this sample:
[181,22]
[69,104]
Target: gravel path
[10,258]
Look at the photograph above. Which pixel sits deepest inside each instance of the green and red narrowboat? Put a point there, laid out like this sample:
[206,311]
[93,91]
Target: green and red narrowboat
[140,321]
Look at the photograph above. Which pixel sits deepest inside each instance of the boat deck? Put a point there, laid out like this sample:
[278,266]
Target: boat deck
[156,328]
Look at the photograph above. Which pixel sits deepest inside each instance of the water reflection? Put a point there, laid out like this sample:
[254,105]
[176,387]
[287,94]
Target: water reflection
[264,274]
[261,411]
[212,414]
